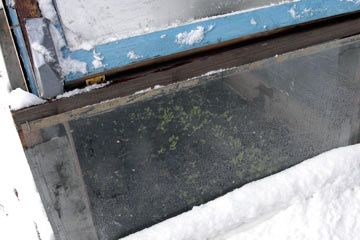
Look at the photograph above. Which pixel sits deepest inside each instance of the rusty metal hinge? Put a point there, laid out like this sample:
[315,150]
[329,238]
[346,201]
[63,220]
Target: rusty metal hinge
[98,79]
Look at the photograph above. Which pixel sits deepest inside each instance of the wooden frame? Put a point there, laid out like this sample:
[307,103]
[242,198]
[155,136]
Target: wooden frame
[240,52]
[221,29]
[49,170]
[225,30]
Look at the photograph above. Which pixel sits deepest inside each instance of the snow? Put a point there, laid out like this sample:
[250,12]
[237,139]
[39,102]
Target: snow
[294,13]
[216,71]
[10,3]
[35,30]
[192,37]
[67,65]
[317,199]
[18,99]
[22,216]
[48,56]
[211,27]
[148,89]
[97,62]
[47,10]
[253,21]
[82,90]
[354,1]
[133,56]
[307,10]
[84,26]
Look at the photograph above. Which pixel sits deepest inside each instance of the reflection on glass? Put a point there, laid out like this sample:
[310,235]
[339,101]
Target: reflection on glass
[147,161]
[107,20]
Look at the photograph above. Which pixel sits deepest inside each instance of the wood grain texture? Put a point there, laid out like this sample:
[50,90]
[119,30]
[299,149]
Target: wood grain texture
[241,52]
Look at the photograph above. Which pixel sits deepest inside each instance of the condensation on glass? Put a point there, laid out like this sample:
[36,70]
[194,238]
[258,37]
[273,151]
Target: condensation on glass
[106,20]
[116,168]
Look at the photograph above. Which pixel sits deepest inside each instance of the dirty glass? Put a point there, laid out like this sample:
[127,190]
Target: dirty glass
[114,19]
[148,160]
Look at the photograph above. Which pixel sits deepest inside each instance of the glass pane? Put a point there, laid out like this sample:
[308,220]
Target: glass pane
[151,159]
[109,20]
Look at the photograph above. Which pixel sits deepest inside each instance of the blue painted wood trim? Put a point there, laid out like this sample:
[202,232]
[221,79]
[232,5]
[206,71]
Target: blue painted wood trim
[217,30]
[22,50]
[221,29]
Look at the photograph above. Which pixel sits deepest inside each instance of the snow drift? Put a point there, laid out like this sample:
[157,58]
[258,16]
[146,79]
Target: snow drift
[317,199]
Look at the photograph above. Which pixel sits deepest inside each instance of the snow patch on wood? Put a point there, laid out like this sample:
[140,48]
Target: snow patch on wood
[148,89]
[253,21]
[67,65]
[82,90]
[97,62]
[133,56]
[192,37]
[19,99]
[293,13]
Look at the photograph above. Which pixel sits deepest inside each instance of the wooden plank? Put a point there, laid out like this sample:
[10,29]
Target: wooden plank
[238,54]
[13,65]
